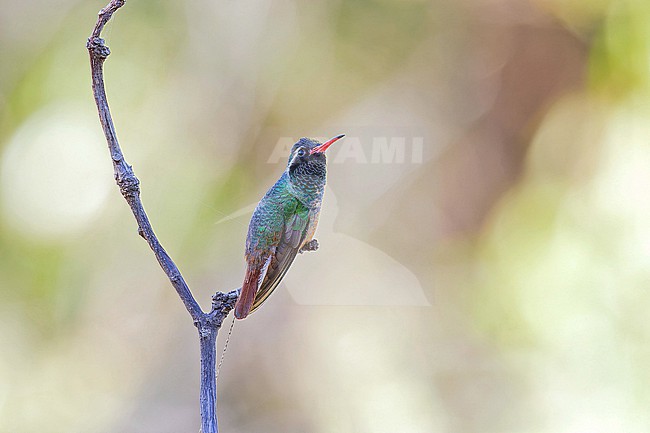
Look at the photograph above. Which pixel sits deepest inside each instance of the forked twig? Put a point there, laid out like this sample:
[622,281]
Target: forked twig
[208,324]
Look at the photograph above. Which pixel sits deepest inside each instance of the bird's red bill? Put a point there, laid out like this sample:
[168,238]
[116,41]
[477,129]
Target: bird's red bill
[323,147]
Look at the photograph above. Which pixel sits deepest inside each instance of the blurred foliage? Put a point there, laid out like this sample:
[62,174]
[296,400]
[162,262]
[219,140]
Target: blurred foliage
[619,61]
[525,223]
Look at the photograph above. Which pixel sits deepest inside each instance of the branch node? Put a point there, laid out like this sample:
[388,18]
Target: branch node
[110,8]
[222,303]
[127,181]
[97,47]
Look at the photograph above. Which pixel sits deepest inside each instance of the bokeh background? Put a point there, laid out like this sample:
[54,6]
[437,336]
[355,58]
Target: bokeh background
[494,280]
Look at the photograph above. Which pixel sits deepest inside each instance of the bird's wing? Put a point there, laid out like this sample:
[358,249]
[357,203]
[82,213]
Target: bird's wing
[265,232]
[295,230]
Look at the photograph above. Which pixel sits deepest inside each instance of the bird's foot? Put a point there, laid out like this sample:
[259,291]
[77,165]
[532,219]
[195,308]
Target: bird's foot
[312,245]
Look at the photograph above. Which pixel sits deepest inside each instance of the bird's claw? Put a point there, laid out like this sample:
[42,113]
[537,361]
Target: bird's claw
[312,245]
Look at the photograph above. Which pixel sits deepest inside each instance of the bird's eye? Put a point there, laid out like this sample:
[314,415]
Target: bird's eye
[302,152]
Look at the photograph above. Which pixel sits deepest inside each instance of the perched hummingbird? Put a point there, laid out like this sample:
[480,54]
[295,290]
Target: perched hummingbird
[284,223]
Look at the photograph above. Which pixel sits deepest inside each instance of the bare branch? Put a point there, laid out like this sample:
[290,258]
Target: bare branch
[208,324]
[124,176]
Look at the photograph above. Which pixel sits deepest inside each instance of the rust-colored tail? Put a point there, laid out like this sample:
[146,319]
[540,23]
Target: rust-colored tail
[248,290]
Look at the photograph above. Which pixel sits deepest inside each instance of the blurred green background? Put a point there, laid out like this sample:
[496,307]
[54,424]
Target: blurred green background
[495,280]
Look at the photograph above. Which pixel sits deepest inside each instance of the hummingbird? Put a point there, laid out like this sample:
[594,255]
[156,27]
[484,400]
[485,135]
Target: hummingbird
[284,223]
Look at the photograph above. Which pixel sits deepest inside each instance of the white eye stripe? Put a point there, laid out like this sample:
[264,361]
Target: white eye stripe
[293,160]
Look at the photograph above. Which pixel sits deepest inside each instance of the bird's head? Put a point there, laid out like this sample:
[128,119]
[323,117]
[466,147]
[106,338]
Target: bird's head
[308,155]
